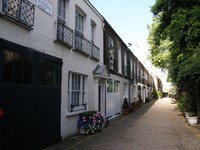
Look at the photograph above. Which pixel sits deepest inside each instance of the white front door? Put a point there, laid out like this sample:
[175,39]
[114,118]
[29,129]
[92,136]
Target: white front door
[102,96]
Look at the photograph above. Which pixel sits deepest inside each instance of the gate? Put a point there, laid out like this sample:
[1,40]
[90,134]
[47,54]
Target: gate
[30,98]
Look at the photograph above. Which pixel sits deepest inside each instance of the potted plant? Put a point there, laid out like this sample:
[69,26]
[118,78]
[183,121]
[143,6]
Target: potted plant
[192,118]
[125,107]
[91,122]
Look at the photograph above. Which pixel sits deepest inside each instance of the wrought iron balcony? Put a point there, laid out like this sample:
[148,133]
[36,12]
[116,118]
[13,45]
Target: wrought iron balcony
[19,10]
[64,33]
[95,52]
[82,44]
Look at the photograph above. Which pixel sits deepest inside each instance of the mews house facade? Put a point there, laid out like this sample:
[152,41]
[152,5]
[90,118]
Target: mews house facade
[128,77]
[48,54]
[57,60]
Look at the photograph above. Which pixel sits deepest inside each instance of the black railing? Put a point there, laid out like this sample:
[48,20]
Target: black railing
[82,44]
[64,33]
[20,10]
[95,52]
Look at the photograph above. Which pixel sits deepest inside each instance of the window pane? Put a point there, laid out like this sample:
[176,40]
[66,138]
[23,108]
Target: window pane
[23,69]
[83,83]
[75,98]
[83,97]
[77,92]
[109,86]
[8,62]
[17,68]
[79,21]
[75,82]
[61,9]
[92,32]
[47,73]
[115,86]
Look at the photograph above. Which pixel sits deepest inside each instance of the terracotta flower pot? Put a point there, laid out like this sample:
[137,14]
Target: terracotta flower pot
[125,111]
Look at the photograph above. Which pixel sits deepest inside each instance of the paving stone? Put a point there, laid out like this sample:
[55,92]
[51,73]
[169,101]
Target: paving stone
[157,125]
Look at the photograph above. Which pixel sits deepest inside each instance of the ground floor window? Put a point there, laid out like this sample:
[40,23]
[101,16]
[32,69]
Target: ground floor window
[77,92]
[112,86]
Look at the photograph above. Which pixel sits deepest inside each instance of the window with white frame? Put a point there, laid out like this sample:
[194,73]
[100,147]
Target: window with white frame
[77,92]
[131,65]
[134,69]
[93,31]
[112,86]
[111,53]
[116,86]
[125,64]
[79,21]
[61,9]
[110,42]
[138,69]
[119,60]
[141,74]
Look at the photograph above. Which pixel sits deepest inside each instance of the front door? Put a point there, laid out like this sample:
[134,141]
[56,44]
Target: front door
[101,96]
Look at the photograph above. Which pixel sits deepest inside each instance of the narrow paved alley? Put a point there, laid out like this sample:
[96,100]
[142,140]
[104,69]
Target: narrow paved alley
[157,125]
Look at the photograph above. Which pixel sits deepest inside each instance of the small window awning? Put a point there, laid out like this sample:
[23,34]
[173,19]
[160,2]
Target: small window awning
[101,72]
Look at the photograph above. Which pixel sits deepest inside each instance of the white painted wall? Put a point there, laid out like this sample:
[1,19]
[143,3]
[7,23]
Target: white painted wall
[42,37]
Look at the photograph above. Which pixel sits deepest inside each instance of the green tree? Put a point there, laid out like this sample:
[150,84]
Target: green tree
[174,39]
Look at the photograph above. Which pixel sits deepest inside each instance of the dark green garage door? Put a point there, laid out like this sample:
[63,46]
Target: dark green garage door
[30,98]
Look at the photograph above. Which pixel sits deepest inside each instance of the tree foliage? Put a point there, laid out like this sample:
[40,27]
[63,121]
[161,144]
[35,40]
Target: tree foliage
[174,39]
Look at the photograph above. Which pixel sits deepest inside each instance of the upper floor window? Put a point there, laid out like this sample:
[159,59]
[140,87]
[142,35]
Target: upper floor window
[79,20]
[138,66]
[141,73]
[131,65]
[62,8]
[110,42]
[119,61]
[134,69]
[111,58]
[93,31]
[125,64]
[111,53]
[77,92]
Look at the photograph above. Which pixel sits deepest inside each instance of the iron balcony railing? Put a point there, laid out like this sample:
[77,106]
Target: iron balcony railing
[95,52]
[76,40]
[64,33]
[19,10]
[81,43]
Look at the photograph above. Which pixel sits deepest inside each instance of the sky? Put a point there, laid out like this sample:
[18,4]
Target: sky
[129,19]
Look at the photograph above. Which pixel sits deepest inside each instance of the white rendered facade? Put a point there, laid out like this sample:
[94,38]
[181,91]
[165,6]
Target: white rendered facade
[42,38]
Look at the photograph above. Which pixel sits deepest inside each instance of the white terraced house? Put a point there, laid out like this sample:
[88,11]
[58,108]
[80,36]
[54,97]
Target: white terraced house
[58,59]
[51,70]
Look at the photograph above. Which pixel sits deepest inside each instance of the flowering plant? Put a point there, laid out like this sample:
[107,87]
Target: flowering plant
[91,122]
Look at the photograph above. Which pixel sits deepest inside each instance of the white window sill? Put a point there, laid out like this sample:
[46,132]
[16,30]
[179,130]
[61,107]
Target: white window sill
[69,114]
